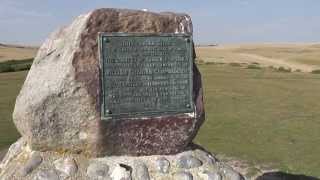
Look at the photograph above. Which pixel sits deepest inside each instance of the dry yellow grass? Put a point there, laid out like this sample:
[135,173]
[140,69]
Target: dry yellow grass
[305,57]
[10,52]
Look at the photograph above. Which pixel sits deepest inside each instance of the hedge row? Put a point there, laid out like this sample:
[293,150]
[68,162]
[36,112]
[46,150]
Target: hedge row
[15,65]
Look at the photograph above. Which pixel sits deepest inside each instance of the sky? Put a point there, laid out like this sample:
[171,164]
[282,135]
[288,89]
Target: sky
[29,22]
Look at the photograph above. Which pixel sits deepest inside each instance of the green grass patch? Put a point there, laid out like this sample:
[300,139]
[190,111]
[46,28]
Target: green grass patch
[15,65]
[10,85]
[283,69]
[254,66]
[234,64]
[263,117]
[316,71]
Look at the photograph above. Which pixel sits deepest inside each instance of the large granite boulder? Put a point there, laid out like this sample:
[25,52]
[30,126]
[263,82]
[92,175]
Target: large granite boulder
[58,108]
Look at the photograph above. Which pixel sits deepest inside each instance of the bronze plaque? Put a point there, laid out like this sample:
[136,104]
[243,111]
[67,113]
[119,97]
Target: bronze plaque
[145,74]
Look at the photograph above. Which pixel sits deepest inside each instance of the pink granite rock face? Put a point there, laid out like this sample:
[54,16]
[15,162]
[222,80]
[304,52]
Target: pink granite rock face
[58,108]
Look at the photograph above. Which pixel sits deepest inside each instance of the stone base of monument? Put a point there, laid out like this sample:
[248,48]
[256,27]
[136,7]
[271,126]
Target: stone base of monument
[23,163]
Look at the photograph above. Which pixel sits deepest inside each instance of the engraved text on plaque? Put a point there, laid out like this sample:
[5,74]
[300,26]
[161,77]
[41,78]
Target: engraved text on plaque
[145,74]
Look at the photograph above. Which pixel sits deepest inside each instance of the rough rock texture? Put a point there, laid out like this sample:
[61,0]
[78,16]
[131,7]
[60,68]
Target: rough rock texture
[163,165]
[34,161]
[183,176]
[58,108]
[110,168]
[67,166]
[188,162]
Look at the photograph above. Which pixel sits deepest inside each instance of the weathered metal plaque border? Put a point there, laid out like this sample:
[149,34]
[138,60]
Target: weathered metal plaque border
[187,109]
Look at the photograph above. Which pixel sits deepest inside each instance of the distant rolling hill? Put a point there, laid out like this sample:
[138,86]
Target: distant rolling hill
[304,57]
[16,52]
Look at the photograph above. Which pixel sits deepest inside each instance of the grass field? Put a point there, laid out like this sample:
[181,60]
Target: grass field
[10,52]
[263,116]
[259,115]
[10,84]
[305,57]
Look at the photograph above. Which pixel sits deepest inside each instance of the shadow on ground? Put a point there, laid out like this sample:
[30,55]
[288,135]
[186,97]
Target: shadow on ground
[284,176]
